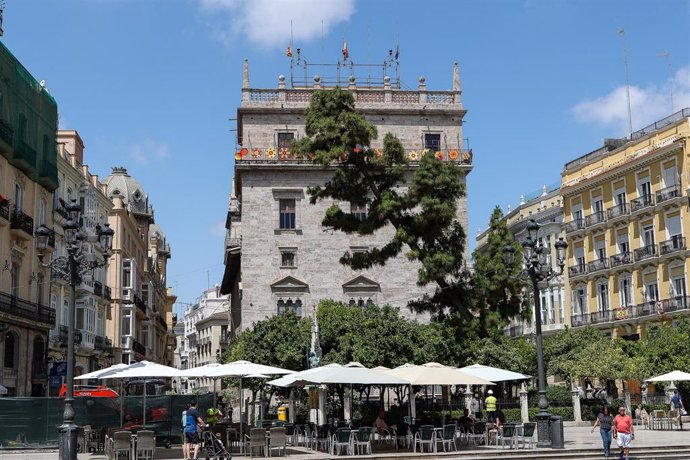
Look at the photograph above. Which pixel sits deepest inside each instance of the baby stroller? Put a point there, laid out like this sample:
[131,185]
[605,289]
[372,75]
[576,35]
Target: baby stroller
[213,446]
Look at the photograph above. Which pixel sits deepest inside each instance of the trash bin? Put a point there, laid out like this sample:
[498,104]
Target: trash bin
[557,432]
[282,413]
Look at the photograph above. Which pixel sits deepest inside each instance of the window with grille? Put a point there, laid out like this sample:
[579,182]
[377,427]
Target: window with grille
[359,211]
[285,306]
[287,259]
[432,142]
[285,140]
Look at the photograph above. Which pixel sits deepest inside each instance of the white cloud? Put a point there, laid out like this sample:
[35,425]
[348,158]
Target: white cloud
[149,151]
[217,228]
[267,22]
[647,104]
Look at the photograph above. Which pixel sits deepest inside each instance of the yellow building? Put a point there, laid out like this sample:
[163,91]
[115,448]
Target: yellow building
[626,210]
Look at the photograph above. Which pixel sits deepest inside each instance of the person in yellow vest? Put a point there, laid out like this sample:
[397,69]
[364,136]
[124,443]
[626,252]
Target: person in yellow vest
[490,403]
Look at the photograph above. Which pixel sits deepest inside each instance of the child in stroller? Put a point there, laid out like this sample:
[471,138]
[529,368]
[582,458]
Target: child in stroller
[213,446]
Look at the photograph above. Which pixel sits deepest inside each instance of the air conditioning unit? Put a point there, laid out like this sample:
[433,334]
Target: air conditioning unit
[128,295]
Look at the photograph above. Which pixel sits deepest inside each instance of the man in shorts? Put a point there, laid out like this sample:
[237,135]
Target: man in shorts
[193,421]
[623,432]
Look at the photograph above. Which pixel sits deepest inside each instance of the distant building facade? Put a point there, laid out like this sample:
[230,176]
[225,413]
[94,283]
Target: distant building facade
[205,335]
[626,217]
[93,350]
[140,324]
[28,177]
[546,208]
[278,256]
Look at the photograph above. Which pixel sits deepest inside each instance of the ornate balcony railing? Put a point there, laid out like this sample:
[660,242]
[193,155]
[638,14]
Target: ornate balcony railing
[575,224]
[577,270]
[618,210]
[645,252]
[601,316]
[677,243]
[285,155]
[580,319]
[21,221]
[595,218]
[642,202]
[98,288]
[26,310]
[162,322]
[668,193]
[623,258]
[6,132]
[137,347]
[595,266]
[141,305]
[107,292]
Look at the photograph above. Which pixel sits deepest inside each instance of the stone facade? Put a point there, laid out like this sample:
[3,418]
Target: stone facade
[270,269]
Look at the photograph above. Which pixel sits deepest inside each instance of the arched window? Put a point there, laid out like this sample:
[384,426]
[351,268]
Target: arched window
[360,302]
[10,350]
[370,303]
[352,302]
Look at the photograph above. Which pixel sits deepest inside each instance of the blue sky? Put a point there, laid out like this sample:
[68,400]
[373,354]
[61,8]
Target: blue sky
[151,85]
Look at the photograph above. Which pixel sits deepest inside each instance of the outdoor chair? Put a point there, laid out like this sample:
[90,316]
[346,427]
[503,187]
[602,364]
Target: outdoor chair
[507,435]
[322,440]
[527,435]
[425,435]
[362,438]
[277,440]
[292,434]
[342,438]
[479,433]
[659,420]
[146,445]
[447,438]
[122,445]
[308,437]
[673,418]
[256,440]
[84,439]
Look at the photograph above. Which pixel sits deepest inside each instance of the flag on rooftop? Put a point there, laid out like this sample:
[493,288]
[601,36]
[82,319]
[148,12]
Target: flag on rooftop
[346,54]
[288,51]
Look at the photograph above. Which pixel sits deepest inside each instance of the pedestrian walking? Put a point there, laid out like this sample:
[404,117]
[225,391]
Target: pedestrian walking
[193,421]
[677,405]
[605,423]
[474,407]
[623,433]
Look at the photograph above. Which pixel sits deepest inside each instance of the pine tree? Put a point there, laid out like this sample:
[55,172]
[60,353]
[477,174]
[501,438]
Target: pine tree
[423,214]
[499,292]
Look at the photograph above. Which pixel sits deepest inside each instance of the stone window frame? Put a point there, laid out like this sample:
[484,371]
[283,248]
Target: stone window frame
[288,250]
[287,193]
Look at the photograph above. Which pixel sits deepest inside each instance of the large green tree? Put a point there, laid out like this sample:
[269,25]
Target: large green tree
[419,203]
[498,289]
[664,348]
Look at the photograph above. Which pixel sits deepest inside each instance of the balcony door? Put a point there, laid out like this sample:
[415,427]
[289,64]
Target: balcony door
[648,235]
[670,176]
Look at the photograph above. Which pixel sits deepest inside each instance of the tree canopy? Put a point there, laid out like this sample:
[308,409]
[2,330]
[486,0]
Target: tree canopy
[419,202]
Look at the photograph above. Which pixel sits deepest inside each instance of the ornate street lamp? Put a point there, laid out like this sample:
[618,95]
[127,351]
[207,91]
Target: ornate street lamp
[538,269]
[79,260]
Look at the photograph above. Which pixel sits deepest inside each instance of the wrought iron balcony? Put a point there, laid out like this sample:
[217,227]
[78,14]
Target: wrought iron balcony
[581,319]
[574,225]
[102,343]
[668,193]
[162,322]
[598,317]
[675,244]
[645,201]
[26,310]
[98,288]
[595,218]
[595,266]
[618,210]
[107,293]
[137,347]
[6,132]
[645,252]
[21,221]
[141,305]
[624,258]
[577,270]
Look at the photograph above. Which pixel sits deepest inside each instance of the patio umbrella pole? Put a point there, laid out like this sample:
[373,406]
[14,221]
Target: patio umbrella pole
[241,421]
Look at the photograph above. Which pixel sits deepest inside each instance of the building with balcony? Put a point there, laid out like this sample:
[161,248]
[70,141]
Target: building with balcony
[93,349]
[278,257]
[141,305]
[626,213]
[205,336]
[545,206]
[28,177]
